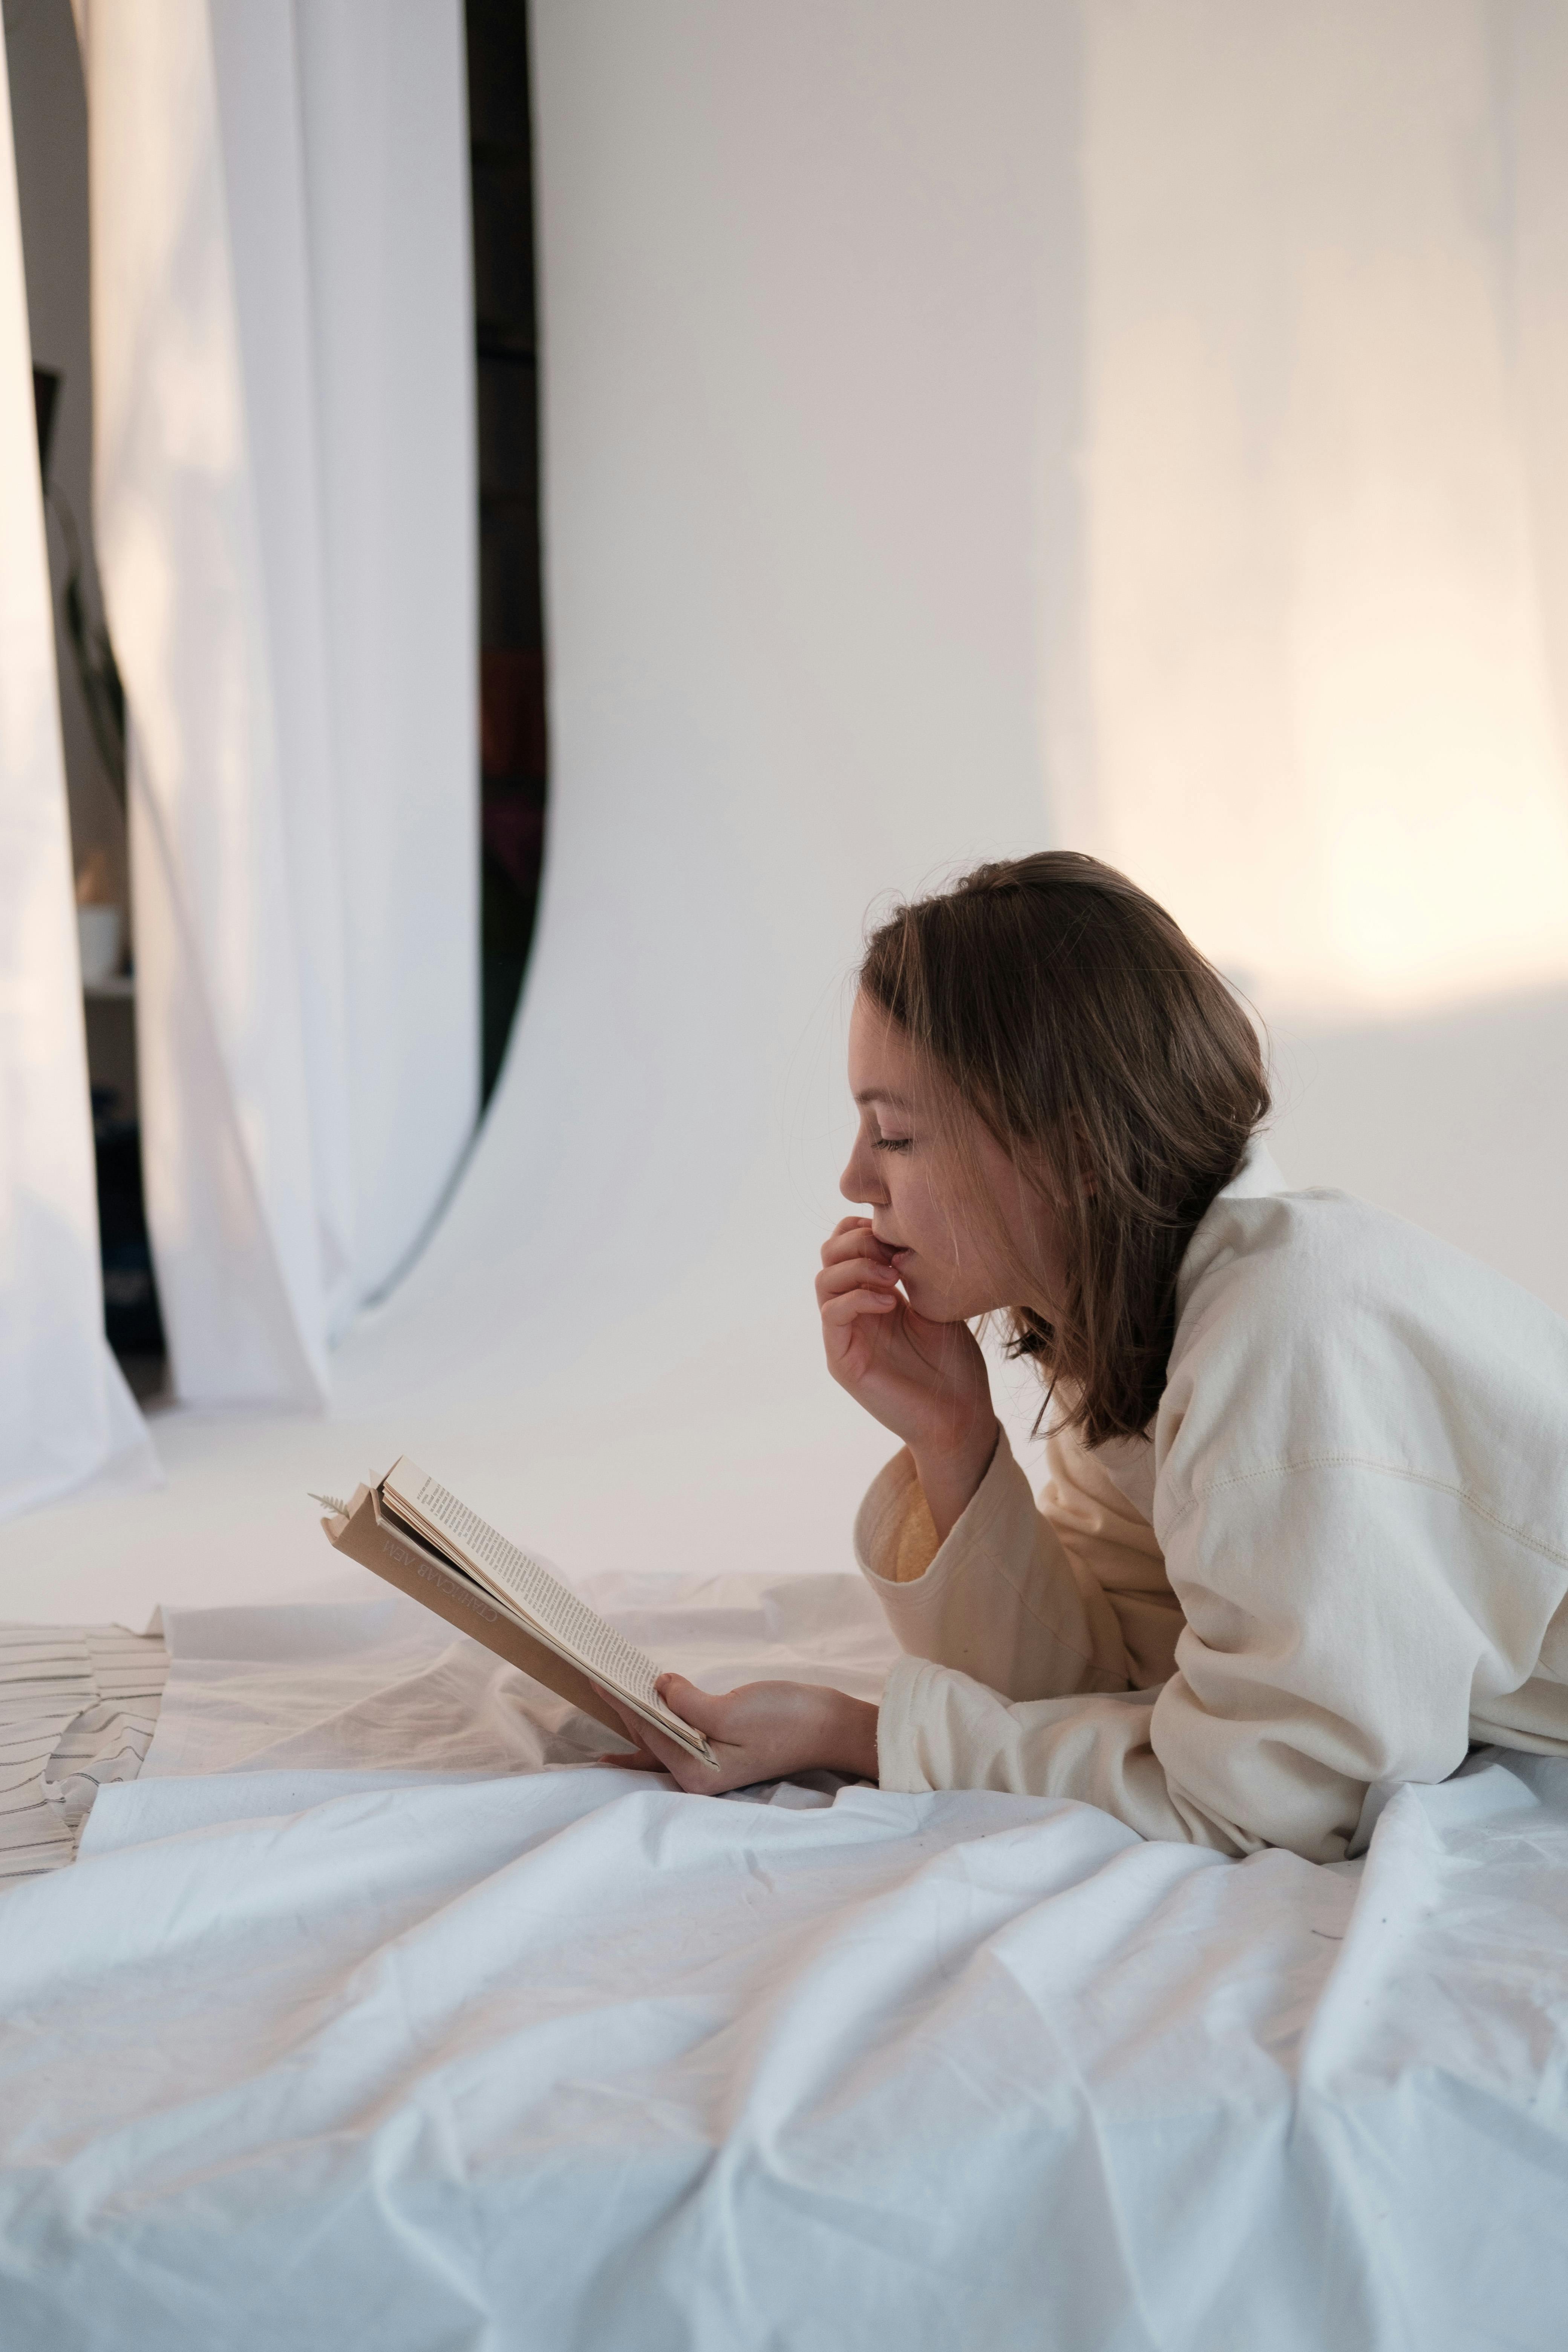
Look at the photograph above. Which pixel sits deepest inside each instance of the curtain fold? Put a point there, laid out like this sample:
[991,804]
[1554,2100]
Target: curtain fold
[68,1421]
[282,338]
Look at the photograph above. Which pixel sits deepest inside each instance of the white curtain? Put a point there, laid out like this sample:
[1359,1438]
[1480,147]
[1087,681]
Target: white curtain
[67,1420]
[282,346]
[808,289]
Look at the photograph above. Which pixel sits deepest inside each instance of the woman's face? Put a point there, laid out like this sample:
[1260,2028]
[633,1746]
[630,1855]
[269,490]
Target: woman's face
[907,1171]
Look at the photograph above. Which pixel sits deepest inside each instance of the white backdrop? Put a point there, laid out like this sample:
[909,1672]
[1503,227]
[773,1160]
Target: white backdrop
[282,341]
[66,1418]
[878,539]
[1325,632]
[809,292]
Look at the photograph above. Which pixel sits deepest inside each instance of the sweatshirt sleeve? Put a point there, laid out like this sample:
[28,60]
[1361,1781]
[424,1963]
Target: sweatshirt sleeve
[1357,1493]
[941,1730]
[1325,1648]
[1003,1600]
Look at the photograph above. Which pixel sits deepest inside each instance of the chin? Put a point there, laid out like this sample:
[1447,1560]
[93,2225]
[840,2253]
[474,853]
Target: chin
[934,1310]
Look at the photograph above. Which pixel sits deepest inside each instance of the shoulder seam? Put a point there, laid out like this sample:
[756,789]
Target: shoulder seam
[1462,1494]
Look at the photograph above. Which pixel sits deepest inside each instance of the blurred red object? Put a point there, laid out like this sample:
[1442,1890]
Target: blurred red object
[513,741]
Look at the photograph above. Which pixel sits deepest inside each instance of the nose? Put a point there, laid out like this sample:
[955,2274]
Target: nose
[860,1181]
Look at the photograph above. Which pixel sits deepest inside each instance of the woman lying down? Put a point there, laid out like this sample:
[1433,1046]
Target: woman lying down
[1304,1525]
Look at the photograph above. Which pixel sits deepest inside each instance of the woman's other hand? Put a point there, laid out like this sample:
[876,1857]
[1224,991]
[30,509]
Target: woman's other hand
[763,1731]
[925,1381]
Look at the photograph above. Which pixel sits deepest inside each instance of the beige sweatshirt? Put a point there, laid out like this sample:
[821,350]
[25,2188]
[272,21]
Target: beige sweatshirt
[1338,1555]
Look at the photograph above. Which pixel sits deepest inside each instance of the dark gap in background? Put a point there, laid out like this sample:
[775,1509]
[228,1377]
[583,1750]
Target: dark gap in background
[133,1322]
[513,742]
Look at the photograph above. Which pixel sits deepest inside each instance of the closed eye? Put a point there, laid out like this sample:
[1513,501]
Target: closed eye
[891,1143]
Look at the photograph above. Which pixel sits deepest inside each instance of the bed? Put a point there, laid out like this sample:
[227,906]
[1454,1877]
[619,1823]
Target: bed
[374,2011]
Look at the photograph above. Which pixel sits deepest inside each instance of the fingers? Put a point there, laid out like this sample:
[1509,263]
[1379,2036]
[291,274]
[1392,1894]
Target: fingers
[856,1281]
[839,1313]
[847,1225]
[850,1297]
[631,1724]
[855,1273]
[668,1754]
[859,1268]
[692,1778]
[852,1237]
[648,1744]
[703,1710]
[655,1751]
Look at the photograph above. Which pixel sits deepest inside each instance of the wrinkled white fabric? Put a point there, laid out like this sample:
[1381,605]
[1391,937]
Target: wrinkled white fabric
[384,1685]
[572,2059]
[1357,1481]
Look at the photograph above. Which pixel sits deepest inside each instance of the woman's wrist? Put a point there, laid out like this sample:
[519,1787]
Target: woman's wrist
[850,1736]
[951,1477]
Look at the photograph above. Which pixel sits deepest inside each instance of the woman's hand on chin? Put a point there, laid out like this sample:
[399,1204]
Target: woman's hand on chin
[763,1731]
[925,1381]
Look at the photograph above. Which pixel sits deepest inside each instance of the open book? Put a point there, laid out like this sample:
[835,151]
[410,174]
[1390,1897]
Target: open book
[416,1533]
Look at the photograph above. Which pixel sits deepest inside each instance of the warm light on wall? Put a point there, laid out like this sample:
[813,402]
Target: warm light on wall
[1318,653]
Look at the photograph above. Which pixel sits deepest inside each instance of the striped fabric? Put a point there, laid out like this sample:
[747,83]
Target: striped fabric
[78,1706]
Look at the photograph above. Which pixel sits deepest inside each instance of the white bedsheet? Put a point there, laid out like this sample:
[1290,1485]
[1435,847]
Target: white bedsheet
[383,1684]
[298,2055]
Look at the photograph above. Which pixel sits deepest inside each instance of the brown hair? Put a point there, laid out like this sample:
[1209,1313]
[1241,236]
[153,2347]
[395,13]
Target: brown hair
[1115,1069]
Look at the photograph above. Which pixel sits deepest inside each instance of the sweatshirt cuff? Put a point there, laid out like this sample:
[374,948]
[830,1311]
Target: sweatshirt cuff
[893,1522]
[897,1758]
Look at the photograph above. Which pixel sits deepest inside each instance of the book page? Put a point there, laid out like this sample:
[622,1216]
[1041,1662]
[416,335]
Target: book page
[525,1584]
